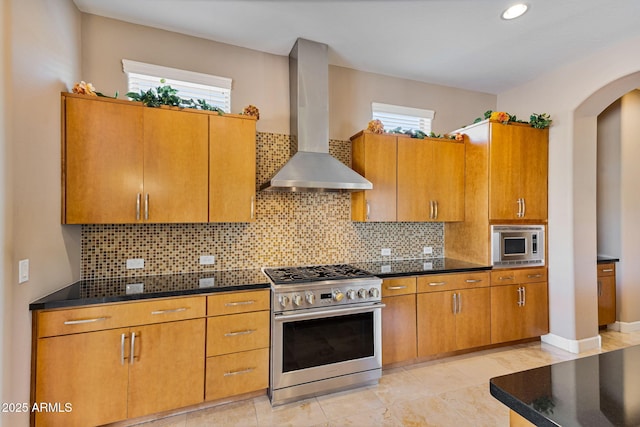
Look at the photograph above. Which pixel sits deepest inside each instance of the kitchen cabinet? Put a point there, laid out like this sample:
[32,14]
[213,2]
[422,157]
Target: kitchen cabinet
[606,293]
[113,362]
[519,304]
[399,320]
[126,163]
[232,176]
[453,312]
[237,343]
[374,157]
[430,180]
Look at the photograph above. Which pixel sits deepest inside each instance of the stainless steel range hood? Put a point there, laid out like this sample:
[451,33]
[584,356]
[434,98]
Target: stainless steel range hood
[312,169]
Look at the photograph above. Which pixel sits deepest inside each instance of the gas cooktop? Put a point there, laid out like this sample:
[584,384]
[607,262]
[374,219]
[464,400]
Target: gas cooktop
[314,273]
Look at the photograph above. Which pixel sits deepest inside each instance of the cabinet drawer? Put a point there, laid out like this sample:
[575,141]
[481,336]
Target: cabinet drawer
[237,373]
[237,332]
[446,282]
[238,302]
[508,276]
[608,269]
[101,317]
[399,286]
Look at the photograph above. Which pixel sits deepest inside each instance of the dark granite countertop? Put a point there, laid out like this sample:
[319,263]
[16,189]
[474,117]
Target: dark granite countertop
[603,259]
[600,390]
[100,291]
[414,267]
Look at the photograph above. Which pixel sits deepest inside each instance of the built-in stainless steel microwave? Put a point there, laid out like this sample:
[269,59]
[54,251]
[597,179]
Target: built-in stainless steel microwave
[517,245]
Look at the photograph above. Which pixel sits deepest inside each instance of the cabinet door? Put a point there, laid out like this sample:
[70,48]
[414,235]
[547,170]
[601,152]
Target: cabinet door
[399,329]
[176,166]
[232,174]
[506,316]
[606,300]
[374,157]
[534,158]
[168,367]
[89,371]
[473,318]
[415,189]
[536,310]
[436,323]
[102,161]
[447,180]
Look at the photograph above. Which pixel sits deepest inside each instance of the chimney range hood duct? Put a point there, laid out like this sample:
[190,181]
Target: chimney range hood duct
[312,169]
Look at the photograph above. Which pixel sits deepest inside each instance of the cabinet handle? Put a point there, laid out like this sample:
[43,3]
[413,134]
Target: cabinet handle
[236,333]
[146,207]
[607,270]
[368,210]
[599,288]
[430,209]
[123,337]
[243,371]
[474,280]
[171,310]
[133,348]
[524,296]
[524,208]
[455,303]
[519,297]
[534,276]
[505,278]
[437,283]
[252,206]
[435,212]
[233,304]
[138,201]
[395,288]
[82,321]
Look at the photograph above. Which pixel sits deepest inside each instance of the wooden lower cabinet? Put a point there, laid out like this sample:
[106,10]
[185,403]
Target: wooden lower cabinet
[519,311]
[398,320]
[237,373]
[606,294]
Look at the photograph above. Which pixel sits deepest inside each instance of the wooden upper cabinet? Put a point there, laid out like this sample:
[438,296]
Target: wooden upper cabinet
[232,160]
[102,160]
[176,166]
[518,168]
[374,157]
[430,180]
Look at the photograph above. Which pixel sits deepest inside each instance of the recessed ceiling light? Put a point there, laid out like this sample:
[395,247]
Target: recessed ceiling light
[515,11]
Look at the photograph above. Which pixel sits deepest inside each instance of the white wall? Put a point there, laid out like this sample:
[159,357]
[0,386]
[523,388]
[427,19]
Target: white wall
[42,46]
[574,95]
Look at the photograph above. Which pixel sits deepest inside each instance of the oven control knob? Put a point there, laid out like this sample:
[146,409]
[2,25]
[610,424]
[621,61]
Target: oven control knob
[311,298]
[338,295]
[351,294]
[374,292]
[297,300]
[362,293]
[284,300]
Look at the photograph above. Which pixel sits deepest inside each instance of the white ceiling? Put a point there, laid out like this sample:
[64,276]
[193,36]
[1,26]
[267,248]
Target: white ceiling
[458,43]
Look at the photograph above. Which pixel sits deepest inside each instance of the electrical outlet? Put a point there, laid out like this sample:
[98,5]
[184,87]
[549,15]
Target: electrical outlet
[426,266]
[385,269]
[207,282]
[134,288]
[135,263]
[23,270]
[207,259]
[385,251]
[427,250]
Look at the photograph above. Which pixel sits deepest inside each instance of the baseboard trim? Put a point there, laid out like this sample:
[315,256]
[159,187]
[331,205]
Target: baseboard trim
[625,327]
[573,346]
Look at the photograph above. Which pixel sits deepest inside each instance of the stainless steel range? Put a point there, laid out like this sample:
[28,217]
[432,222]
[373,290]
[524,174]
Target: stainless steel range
[325,330]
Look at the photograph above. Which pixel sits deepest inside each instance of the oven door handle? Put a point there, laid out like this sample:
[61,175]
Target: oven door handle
[331,312]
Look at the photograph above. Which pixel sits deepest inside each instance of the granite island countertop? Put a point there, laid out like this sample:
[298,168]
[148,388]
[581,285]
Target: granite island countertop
[600,390]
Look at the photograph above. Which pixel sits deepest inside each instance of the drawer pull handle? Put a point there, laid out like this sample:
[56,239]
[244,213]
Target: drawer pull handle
[395,288]
[474,280]
[235,334]
[505,278]
[171,310]
[437,283]
[244,371]
[607,270]
[233,304]
[534,276]
[82,321]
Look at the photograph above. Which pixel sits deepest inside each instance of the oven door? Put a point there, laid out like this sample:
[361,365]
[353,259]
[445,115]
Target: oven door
[323,343]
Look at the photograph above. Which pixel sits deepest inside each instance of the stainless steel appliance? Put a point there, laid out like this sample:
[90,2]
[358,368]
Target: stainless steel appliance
[325,330]
[517,245]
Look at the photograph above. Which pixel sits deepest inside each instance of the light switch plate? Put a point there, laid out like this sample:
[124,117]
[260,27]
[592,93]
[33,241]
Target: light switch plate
[135,263]
[427,250]
[427,266]
[385,269]
[207,259]
[23,270]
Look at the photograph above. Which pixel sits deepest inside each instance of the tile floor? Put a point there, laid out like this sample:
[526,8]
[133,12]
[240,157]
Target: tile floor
[448,392]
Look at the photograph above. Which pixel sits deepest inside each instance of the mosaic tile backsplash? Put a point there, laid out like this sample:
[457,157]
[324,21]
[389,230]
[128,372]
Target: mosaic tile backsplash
[290,229]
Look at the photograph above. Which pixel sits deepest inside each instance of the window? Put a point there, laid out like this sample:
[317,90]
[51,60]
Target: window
[190,85]
[406,118]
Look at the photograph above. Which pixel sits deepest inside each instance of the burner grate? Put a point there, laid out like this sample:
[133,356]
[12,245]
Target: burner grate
[314,273]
